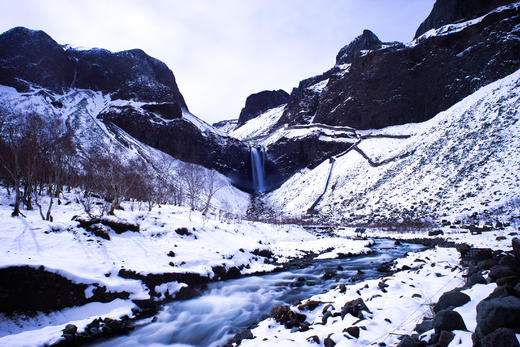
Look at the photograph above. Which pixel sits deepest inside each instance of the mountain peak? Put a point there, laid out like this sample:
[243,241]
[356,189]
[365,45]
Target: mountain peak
[367,40]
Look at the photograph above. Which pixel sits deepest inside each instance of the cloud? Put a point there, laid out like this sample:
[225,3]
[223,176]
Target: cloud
[222,51]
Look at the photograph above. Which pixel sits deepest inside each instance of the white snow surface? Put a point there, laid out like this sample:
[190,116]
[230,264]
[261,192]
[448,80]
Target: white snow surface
[44,329]
[260,125]
[459,162]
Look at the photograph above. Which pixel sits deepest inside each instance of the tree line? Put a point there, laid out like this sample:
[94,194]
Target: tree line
[39,157]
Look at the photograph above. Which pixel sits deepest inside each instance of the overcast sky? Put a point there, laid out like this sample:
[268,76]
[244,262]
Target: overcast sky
[221,51]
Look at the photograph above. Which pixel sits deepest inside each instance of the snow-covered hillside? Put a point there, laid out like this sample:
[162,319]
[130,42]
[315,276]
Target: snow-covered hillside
[79,109]
[463,161]
[259,126]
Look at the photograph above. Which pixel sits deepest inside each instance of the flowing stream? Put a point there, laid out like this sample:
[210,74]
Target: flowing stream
[227,307]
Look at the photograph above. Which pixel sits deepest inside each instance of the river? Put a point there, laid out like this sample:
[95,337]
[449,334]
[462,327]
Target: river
[227,307]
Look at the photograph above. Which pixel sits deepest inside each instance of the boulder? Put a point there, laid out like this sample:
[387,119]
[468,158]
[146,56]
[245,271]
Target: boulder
[408,341]
[284,315]
[352,331]
[355,308]
[452,298]
[445,338]
[502,312]
[425,325]
[501,337]
[476,278]
[328,342]
[448,320]
[500,271]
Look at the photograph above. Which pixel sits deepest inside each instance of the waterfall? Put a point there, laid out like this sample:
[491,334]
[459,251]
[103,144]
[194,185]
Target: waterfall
[258,168]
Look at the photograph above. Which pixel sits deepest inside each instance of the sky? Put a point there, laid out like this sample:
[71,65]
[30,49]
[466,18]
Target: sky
[221,51]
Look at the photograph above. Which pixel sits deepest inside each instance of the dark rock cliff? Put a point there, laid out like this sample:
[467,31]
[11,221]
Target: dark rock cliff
[452,11]
[184,141]
[29,57]
[258,103]
[398,83]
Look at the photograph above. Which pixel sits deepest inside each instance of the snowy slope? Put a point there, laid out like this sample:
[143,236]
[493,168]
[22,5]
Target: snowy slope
[259,126]
[462,161]
[79,110]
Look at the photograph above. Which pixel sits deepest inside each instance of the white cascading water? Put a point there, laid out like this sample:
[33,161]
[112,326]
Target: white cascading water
[258,168]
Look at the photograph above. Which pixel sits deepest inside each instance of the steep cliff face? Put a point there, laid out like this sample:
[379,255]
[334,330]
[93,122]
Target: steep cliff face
[258,103]
[32,57]
[452,11]
[139,96]
[396,83]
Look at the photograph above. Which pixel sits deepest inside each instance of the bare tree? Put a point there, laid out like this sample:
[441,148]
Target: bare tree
[193,178]
[211,186]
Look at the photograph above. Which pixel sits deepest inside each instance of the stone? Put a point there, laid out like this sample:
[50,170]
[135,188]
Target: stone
[452,298]
[355,308]
[476,278]
[516,247]
[487,264]
[69,333]
[445,338]
[448,320]
[435,233]
[501,337]
[328,342]
[284,315]
[314,338]
[497,313]
[501,292]
[508,281]
[245,334]
[425,325]
[408,341]
[328,275]
[499,271]
[508,260]
[352,331]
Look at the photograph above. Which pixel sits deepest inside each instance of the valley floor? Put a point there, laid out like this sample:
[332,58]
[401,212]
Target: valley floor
[173,240]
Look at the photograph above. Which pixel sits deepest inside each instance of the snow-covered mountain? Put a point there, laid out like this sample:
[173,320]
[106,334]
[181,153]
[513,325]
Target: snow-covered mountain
[319,127]
[462,163]
[132,91]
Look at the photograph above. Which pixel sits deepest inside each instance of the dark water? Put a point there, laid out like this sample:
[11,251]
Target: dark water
[227,307]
